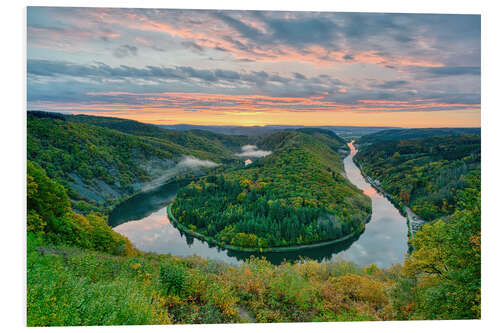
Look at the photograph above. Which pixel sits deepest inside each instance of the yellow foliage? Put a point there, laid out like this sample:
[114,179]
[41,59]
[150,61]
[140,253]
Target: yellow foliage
[245,183]
[360,288]
[135,266]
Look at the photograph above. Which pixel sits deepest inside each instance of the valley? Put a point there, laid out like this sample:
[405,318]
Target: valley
[383,241]
[105,193]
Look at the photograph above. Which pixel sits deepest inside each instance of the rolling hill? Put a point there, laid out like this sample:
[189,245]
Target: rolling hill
[296,195]
[102,160]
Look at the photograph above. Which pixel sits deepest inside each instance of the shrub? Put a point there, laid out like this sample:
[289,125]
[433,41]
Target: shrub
[173,278]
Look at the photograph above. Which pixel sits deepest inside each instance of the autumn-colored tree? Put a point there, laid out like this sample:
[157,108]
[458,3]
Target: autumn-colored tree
[405,196]
[446,264]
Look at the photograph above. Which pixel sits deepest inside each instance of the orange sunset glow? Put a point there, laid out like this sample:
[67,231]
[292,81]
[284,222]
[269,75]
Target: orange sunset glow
[256,68]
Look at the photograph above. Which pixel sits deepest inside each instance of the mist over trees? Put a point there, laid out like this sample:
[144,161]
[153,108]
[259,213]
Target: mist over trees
[294,196]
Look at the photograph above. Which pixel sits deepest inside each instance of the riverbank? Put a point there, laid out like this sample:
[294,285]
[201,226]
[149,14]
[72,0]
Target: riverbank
[413,221]
[212,241]
[156,191]
[379,189]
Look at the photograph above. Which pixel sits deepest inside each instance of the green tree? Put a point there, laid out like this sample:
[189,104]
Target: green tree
[446,264]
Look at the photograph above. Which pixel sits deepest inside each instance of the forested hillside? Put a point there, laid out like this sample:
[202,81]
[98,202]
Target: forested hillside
[116,158]
[425,174]
[219,145]
[50,216]
[297,195]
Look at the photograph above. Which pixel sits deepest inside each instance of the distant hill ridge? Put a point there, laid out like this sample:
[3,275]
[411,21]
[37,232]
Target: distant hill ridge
[414,133]
[265,130]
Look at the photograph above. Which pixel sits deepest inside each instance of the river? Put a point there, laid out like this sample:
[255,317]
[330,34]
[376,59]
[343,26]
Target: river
[143,219]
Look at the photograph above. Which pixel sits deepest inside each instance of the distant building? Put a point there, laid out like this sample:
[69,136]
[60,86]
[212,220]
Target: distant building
[248,161]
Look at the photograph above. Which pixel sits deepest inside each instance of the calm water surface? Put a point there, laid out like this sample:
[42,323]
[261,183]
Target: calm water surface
[143,219]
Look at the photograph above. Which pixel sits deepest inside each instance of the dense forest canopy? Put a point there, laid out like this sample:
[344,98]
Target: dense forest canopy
[101,160]
[297,195]
[442,277]
[425,174]
[219,145]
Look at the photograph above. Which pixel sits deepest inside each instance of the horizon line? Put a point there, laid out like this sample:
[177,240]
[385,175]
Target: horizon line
[243,125]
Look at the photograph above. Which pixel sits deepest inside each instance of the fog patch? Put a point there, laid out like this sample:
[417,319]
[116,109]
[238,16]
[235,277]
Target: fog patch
[252,151]
[185,165]
[191,162]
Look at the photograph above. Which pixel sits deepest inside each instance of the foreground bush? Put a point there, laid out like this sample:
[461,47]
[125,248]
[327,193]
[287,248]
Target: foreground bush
[51,217]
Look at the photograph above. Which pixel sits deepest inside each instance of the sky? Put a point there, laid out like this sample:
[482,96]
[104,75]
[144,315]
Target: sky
[250,68]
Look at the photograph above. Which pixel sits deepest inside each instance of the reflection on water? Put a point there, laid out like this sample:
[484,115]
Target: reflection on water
[146,203]
[155,233]
[143,219]
[385,240]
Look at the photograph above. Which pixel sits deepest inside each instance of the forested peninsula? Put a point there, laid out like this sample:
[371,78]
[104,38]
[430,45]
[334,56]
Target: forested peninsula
[295,196]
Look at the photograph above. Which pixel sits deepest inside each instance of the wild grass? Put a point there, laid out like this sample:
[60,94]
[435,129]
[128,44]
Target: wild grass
[75,287]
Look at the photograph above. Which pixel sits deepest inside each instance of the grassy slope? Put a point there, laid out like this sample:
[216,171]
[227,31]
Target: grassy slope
[70,286]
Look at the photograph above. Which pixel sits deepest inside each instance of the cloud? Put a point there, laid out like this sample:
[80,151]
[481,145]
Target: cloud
[159,78]
[453,70]
[313,37]
[343,37]
[186,164]
[125,51]
[244,29]
[203,74]
[191,162]
[303,31]
[101,70]
[252,151]
[292,31]
[227,75]
[192,45]
[365,25]
[392,84]
[246,62]
[299,76]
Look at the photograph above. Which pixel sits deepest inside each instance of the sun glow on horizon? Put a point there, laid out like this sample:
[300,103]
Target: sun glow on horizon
[255,70]
[454,118]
